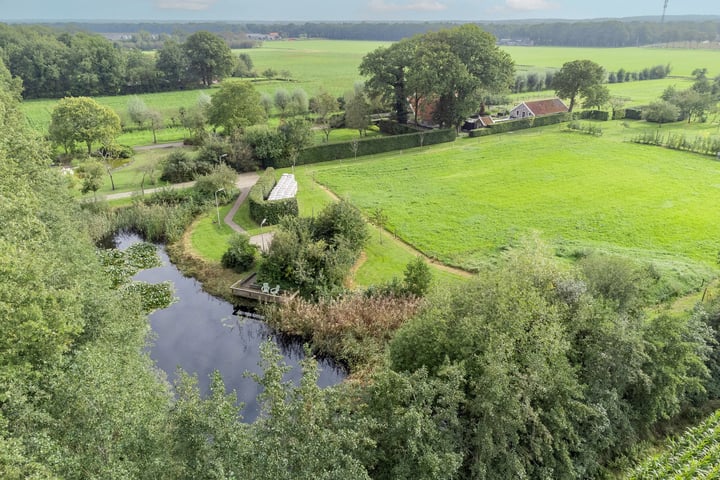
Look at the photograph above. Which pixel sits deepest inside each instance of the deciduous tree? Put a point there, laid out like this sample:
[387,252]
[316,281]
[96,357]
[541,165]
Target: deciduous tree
[82,119]
[209,57]
[577,78]
[234,106]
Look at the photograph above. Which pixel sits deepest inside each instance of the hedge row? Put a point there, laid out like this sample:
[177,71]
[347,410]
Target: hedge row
[368,146]
[512,125]
[271,211]
[633,113]
[674,141]
[390,127]
[595,115]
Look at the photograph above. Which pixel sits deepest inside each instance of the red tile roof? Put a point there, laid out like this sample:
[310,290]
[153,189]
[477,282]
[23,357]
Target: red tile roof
[546,107]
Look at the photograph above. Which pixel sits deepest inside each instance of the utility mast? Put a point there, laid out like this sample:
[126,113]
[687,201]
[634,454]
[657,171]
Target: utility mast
[662,20]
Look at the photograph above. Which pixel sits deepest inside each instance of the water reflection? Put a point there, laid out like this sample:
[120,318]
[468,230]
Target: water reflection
[201,333]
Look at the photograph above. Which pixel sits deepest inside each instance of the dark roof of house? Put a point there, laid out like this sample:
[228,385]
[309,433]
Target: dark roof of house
[546,107]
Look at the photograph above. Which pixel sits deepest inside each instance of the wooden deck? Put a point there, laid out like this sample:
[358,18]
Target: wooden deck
[247,288]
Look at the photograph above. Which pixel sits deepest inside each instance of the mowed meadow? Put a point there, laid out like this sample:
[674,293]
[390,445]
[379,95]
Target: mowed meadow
[465,202]
[332,65]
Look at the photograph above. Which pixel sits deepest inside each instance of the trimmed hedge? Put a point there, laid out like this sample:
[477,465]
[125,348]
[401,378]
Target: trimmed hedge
[595,115]
[391,127]
[367,146]
[552,119]
[271,211]
[633,113]
[523,123]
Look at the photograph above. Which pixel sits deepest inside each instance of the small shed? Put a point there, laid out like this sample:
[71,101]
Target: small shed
[537,108]
[476,122]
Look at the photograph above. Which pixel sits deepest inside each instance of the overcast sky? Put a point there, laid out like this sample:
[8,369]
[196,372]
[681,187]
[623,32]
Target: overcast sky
[349,10]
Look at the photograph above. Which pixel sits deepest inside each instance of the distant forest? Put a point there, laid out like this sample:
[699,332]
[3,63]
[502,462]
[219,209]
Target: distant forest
[588,33]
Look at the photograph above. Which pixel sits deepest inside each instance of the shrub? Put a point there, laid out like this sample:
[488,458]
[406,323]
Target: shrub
[116,151]
[595,115]
[178,167]
[589,128]
[633,113]
[220,177]
[417,277]
[268,145]
[315,255]
[240,255]
[342,220]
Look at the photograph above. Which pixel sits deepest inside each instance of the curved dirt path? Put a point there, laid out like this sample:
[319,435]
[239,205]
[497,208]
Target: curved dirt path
[405,245]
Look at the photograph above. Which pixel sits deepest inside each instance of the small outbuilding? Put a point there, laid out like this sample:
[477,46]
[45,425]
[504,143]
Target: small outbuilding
[476,122]
[537,108]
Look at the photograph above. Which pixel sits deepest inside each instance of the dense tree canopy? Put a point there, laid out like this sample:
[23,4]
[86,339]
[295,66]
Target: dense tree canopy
[234,106]
[451,68]
[579,78]
[209,57]
[83,120]
[561,370]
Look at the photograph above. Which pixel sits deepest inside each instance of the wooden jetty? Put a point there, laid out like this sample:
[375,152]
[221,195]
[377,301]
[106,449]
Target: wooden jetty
[248,288]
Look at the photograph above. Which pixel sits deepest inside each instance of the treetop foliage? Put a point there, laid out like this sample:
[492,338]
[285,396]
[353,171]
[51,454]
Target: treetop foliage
[450,68]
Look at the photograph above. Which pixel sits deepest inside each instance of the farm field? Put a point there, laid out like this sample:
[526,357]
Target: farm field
[333,65]
[682,61]
[465,202]
[315,64]
[634,93]
[694,455]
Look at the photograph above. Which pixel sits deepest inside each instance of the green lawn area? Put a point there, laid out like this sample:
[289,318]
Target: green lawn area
[209,240]
[464,202]
[128,177]
[682,61]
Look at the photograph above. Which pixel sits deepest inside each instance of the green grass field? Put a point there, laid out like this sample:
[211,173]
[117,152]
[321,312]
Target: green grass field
[682,61]
[464,202]
[332,65]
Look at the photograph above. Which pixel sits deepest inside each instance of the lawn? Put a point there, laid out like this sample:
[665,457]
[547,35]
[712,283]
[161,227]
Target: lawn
[127,178]
[209,240]
[465,202]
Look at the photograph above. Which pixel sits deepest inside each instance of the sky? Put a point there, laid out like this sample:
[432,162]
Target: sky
[343,10]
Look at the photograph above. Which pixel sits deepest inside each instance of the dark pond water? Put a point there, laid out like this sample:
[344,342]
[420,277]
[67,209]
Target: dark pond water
[200,333]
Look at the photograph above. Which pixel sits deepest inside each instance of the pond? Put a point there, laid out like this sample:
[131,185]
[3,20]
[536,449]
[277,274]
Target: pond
[201,333]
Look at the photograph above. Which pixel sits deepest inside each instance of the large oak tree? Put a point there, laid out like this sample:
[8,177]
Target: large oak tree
[453,67]
[578,78]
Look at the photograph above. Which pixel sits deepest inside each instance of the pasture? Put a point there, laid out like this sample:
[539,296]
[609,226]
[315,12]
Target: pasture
[332,65]
[682,61]
[464,203]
